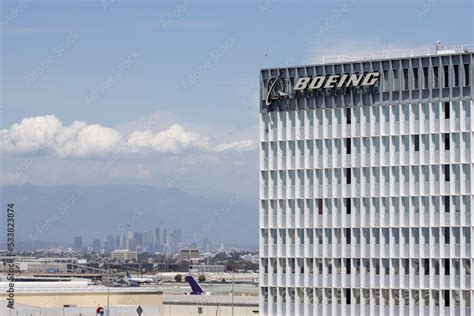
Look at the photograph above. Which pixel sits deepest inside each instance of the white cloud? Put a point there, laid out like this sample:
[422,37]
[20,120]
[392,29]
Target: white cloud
[81,140]
[240,145]
[174,140]
[47,134]
[32,134]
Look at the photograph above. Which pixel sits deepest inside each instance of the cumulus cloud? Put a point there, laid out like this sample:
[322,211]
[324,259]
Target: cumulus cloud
[174,140]
[46,134]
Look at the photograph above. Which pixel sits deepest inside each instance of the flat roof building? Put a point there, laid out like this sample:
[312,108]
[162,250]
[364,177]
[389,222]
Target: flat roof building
[124,255]
[366,186]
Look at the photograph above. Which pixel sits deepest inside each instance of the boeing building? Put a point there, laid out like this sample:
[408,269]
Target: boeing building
[366,185]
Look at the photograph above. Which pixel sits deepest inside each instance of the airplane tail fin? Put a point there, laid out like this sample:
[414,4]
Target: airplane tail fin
[128,274]
[196,289]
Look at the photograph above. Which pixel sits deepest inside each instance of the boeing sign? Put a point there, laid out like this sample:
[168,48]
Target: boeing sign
[276,87]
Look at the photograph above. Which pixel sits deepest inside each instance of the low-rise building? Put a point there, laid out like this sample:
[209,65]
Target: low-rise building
[124,255]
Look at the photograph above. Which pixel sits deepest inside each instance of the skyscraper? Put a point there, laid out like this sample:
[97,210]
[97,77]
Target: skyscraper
[78,243]
[96,245]
[366,186]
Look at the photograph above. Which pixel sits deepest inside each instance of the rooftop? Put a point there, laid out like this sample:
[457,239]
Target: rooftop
[403,53]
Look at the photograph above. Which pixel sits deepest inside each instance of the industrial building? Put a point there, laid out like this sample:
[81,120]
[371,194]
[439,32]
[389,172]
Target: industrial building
[366,185]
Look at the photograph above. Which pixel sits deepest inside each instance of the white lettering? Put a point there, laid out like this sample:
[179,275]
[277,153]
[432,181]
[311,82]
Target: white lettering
[317,82]
[371,78]
[355,80]
[302,83]
[331,81]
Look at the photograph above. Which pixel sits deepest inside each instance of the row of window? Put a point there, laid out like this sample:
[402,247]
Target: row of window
[434,77]
[368,145]
[377,266]
[366,296]
[369,236]
[367,175]
[366,115]
[378,205]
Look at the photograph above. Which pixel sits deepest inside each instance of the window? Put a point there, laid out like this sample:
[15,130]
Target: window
[319,205]
[426,266]
[446,76]
[348,115]
[405,79]
[446,141]
[446,110]
[446,297]
[415,78]
[396,83]
[435,77]
[348,146]
[348,206]
[347,172]
[446,235]
[386,81]
[446,172]
[416,142]
[446,266]
[466,75]
[425,77]
[456,75]
[446,203]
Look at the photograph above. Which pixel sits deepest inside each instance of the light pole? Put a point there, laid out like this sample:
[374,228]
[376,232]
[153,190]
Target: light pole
[232,291]
[108,285]
[108,289]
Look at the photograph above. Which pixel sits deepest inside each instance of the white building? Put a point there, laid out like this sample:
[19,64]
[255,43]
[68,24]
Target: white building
[366,187]
[124,255]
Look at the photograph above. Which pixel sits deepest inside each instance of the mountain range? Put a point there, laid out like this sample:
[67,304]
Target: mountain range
[58,213]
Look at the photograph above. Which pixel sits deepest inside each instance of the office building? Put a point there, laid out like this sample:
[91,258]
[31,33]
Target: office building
[78,243]
[96,246]
[366,185]
[124,255]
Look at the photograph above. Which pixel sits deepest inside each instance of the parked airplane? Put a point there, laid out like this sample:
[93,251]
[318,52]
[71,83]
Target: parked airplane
[195,287]
[136,281]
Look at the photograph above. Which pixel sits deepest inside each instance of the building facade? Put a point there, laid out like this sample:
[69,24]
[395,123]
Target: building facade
[124,255]
[366,187]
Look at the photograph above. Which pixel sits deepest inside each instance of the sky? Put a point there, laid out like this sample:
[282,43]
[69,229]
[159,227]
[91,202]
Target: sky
[166,92]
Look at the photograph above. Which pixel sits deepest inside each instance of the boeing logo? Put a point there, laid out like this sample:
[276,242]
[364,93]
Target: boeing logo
[276,88]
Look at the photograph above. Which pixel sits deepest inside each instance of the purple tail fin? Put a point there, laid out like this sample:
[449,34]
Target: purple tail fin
[196,289]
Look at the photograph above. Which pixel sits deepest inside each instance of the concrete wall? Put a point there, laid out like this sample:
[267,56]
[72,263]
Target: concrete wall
[208,310]
[78,311]
[87,299]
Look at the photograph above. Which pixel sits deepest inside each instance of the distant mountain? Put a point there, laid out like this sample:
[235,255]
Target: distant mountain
[58,213]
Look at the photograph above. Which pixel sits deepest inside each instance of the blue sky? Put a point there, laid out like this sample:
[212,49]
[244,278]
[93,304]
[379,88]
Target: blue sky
[114,63]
